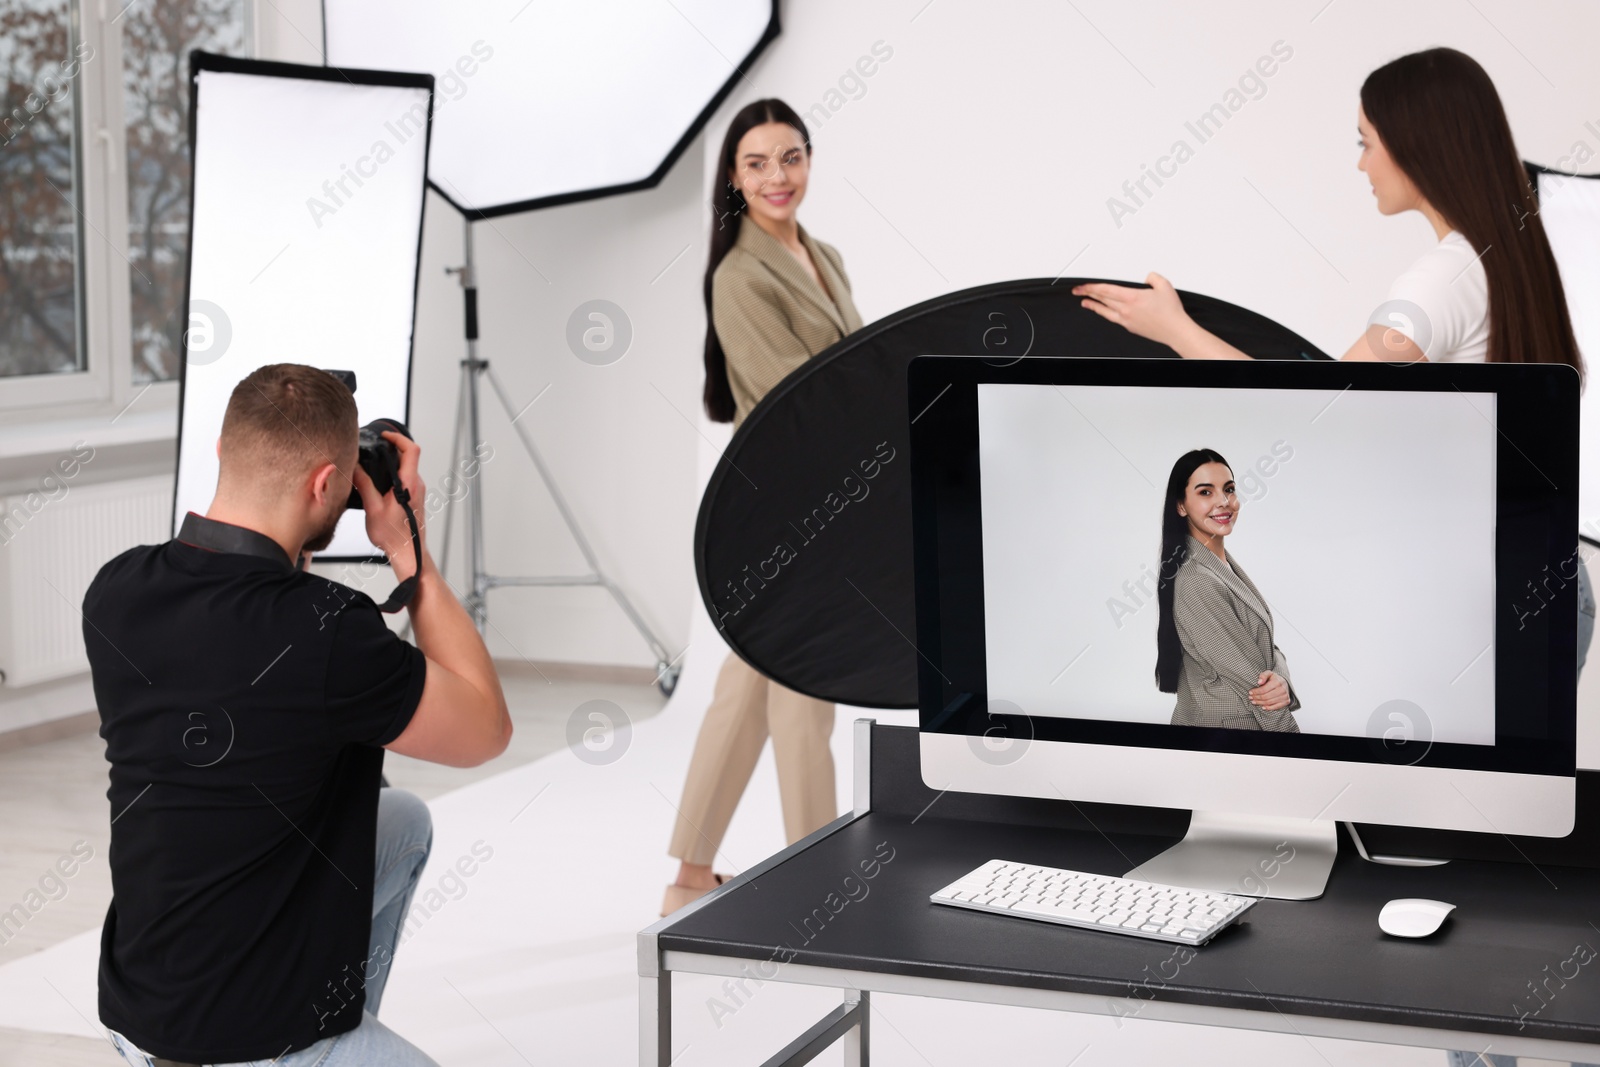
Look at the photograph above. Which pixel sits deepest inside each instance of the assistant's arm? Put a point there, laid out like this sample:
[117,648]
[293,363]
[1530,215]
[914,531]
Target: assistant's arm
[1157,314]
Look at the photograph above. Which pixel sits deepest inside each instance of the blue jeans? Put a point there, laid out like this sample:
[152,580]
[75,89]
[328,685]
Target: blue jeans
[1585,636]
[405,836]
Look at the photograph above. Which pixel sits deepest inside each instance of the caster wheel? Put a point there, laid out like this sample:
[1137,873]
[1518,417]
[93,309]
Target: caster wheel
[667,679]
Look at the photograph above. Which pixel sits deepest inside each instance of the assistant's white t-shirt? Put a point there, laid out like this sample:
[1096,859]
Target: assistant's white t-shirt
[1442,303]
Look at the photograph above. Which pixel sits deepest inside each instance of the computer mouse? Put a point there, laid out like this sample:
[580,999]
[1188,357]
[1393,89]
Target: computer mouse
[1413,916]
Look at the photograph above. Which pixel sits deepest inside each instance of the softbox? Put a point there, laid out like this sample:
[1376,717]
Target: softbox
[547,103]
[1569,206]
[305,234]
[803,542]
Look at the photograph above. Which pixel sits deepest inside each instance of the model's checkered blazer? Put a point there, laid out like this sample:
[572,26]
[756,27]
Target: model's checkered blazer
[770,316]
[1225,628]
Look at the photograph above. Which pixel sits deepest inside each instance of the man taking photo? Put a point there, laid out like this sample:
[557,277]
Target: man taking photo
[260,875]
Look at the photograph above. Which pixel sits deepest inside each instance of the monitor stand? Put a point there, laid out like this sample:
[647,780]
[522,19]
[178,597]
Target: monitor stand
[1253,855]
[1387,860]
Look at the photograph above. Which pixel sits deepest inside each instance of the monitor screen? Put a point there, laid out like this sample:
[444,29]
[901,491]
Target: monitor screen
[1372,563]
[1356,536]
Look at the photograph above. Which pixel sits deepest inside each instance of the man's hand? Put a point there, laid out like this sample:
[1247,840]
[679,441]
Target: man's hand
[386,519]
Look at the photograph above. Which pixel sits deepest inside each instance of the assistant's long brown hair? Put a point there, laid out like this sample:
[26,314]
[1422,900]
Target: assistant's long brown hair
[1438,114]
[728,207]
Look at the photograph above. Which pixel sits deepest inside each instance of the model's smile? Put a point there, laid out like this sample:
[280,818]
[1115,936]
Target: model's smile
[1210,504]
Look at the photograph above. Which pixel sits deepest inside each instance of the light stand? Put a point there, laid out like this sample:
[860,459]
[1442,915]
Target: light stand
[481,581]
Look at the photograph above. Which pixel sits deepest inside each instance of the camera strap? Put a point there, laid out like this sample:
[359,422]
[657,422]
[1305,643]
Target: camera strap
[407,589]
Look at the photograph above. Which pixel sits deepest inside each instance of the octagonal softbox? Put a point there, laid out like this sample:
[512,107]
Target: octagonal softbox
[803,542]
[545,103]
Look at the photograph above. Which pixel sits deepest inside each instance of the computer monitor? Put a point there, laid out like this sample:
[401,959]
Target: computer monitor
[1399,548]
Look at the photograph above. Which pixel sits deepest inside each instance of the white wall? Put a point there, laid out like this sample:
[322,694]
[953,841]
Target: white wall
[985,148]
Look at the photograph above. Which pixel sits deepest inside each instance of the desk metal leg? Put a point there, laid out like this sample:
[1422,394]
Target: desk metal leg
[848,1022]
[857,1043]
[655,1020]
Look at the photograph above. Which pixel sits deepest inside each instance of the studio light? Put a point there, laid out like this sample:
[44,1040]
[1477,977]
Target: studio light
[546,103]
[1569,206]
[304,241]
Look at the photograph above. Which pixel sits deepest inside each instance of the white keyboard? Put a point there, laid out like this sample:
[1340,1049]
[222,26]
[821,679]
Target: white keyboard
[1095,901]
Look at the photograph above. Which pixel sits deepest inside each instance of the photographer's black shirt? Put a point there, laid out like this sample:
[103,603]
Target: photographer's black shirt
[242,703]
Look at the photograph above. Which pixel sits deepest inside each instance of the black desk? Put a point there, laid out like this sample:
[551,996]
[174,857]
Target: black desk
[1317,968]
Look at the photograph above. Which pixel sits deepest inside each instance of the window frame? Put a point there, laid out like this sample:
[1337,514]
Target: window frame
[106,386]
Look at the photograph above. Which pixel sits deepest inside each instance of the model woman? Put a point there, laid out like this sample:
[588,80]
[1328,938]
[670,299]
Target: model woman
[1214,645]
[775,297]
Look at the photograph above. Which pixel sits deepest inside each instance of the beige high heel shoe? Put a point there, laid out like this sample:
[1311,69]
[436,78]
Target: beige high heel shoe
[679,895]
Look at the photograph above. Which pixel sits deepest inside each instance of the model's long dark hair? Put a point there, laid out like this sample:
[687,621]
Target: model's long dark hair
[1438,114]
[1174,551]
[727,209]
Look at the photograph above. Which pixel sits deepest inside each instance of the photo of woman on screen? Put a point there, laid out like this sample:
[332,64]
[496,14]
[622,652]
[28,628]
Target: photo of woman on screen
[1214,639]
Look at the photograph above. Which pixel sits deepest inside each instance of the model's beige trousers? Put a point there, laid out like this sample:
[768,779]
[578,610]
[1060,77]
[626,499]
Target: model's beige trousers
[745,708]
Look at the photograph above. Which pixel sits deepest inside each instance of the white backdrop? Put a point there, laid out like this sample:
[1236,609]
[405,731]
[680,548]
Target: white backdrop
[1356,492]
[324,275]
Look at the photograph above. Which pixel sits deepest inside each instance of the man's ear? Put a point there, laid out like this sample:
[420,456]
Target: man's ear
[219,449]
[323,481]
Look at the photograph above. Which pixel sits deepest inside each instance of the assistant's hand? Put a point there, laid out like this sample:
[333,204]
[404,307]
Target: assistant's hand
[1155,313]
[386,519]
[1272,694]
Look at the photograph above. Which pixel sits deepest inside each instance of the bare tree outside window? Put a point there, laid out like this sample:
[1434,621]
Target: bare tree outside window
[157,38]
[40,243]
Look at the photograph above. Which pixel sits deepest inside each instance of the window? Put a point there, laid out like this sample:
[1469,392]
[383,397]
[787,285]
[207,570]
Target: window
[94,194]
[41,320]
[157,36]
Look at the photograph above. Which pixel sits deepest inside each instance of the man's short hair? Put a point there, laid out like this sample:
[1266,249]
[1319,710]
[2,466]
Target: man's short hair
[284,421]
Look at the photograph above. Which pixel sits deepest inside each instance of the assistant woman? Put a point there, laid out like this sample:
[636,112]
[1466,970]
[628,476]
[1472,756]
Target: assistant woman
[775,297]
[1434,139]
[1214,643]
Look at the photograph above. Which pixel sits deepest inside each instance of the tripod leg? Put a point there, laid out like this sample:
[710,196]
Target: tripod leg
[443,559]
[455,467]
[477,602]
[663,660]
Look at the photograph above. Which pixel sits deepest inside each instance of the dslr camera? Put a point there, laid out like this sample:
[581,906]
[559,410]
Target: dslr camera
[376,456]
[381,461]
[379,458]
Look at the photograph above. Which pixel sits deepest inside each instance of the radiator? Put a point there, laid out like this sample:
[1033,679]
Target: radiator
[50,550]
